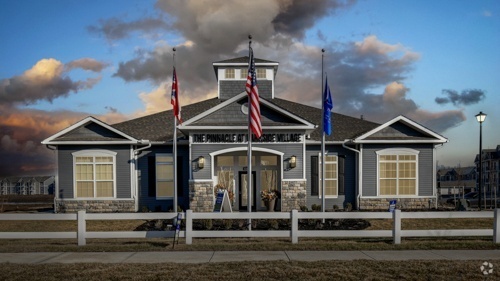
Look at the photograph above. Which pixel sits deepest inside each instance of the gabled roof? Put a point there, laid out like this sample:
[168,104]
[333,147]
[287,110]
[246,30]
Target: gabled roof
[229,115]
[401,130]
[158,127]
[90,130]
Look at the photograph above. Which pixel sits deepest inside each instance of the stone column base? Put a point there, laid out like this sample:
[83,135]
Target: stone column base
[201,196]
[293,195]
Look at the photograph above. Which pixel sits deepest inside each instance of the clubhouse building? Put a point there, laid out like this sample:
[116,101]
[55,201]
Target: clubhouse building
[129,166]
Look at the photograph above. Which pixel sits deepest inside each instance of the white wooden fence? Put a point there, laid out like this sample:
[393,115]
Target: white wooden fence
[294,233]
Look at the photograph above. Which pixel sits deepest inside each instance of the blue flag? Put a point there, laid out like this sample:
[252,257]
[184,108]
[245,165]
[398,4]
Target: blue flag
[327,109]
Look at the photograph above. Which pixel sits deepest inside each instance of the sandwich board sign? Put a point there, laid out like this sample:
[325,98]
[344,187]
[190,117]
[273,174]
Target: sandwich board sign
[222,203]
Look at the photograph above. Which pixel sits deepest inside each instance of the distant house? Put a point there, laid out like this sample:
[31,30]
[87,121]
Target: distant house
[458,180]
[128,166]
[490,170]
[27,185]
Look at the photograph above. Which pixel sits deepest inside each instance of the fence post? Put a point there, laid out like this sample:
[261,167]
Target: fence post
[82,227]
[396,229]
[189,227]
[496,226]
[295,226]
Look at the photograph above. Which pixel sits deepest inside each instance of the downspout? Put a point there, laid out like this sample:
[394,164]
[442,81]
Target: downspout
[136,187]
[56,178]
[435,173]
[358,197]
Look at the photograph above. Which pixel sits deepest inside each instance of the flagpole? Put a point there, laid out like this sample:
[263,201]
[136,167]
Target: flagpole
[175,143]
[323,160]
[249,153]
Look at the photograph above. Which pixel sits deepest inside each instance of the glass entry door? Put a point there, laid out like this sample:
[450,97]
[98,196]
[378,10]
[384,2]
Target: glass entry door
[243,190]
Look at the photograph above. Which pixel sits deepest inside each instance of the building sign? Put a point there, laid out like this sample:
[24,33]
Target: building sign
[242,138]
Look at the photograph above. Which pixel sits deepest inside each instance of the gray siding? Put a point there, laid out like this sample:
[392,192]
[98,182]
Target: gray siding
[65,166]
[147,197]
[350,181]
[425,167]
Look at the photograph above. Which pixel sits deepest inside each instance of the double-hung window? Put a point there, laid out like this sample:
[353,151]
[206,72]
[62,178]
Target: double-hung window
[331,176]
[261,73]
[94,174]
[164,176]
[397,172]
[229,73]
[243,73]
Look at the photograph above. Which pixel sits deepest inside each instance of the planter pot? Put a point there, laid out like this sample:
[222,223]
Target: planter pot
[270,205]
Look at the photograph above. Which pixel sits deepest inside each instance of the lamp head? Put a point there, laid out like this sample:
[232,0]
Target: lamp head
[293,161]
[201,162]
[481,117]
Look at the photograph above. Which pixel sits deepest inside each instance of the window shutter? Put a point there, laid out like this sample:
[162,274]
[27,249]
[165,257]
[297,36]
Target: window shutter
[341,163]
[314,176]
[180,183]
[152,176]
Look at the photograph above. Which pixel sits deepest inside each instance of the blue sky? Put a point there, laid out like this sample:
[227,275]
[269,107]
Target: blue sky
[61,61]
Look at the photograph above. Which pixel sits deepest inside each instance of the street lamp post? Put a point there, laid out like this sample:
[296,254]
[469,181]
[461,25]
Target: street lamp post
[480,118]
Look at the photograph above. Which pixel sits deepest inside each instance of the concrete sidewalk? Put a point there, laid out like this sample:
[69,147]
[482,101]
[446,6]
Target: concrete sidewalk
[227,256]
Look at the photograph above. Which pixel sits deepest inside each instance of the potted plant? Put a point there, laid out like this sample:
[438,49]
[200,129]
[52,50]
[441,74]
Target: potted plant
[269,198]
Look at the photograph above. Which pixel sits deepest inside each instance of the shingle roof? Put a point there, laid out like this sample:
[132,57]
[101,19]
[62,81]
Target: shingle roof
[244,60]
[343,126]
[159,126]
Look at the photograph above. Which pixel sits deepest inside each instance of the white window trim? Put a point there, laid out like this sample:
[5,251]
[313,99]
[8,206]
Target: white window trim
[156,177]
[320,173]
[398,151]
[94,153]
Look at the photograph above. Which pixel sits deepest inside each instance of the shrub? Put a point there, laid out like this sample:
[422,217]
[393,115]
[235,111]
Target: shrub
[348,207]
[316,207]
[207,224]
[228,224]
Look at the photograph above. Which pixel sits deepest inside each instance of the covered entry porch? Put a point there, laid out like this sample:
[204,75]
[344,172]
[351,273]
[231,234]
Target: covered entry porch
[230,172]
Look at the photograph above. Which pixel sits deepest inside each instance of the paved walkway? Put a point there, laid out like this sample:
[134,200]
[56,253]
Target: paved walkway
[225,256]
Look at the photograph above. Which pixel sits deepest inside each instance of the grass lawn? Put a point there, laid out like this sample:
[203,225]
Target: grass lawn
[240,244]
[276,270]
[273,270]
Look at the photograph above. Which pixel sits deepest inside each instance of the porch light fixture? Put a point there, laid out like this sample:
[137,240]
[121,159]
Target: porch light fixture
[201,162]
[293,161]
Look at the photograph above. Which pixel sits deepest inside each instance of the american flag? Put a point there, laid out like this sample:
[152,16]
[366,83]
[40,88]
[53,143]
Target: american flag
[174,99]
[253,94]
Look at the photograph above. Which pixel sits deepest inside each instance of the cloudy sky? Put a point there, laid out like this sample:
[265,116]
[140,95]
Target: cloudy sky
[436,62]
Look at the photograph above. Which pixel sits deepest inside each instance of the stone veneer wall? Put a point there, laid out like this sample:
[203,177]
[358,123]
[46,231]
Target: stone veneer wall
[293,195]
[95,206]
[201,196]
[402,203]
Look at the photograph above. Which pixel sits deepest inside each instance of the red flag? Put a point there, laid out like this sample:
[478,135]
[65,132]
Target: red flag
[253,94]
[174,99]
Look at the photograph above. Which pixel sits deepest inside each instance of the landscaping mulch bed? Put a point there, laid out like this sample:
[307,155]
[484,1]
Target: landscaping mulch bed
[260,224]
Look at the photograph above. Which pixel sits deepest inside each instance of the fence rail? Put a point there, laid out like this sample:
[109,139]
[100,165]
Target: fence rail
[294,233]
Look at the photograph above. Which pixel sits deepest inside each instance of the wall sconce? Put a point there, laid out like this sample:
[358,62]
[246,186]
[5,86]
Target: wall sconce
[293,161]
[201,162]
